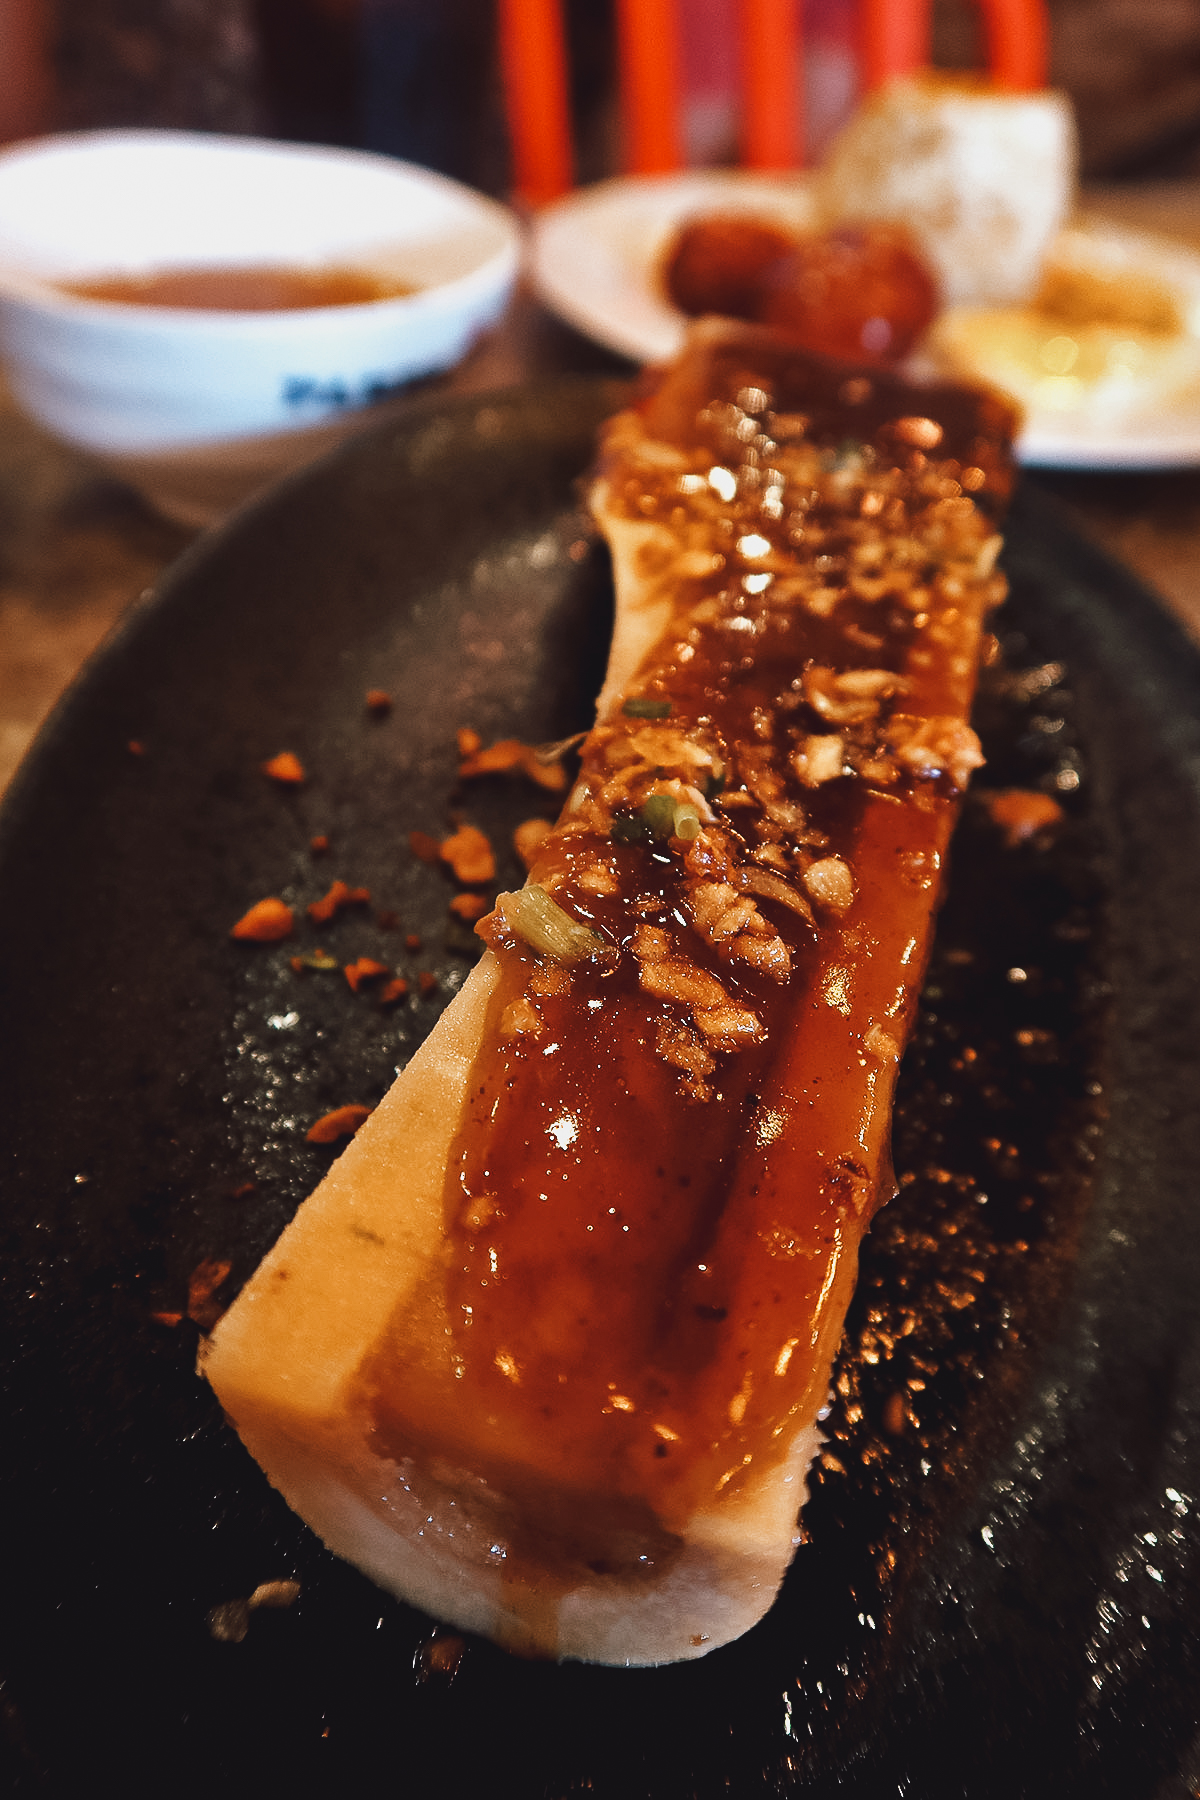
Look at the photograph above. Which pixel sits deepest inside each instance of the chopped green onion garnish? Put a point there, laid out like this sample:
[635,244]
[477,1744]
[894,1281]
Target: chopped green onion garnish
[666,817]
[659,814]
[644,708]
[848,452]
[532,915]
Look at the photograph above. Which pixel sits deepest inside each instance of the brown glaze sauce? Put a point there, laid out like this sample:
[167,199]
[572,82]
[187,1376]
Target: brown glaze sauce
[674,1145]
[253,288]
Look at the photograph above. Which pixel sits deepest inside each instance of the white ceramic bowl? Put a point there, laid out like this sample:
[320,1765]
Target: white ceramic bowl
[171,394]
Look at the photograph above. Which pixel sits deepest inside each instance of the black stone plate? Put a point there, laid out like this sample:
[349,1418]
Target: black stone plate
[999,1594]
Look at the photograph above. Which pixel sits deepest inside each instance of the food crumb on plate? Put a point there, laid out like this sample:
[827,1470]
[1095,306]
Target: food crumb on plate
[343,1121]
[265,922]
[285,768]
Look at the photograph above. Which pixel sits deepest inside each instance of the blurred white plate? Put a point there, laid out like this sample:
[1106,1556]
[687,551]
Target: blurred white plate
[596,254]
[596,258]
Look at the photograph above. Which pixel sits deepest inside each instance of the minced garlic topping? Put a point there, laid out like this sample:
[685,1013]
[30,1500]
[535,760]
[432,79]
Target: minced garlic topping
[823,606]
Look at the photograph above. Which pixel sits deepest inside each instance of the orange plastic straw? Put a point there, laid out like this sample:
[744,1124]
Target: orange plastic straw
[648,49]
[894,39]
[772,111]
[533,58]
[1018,41]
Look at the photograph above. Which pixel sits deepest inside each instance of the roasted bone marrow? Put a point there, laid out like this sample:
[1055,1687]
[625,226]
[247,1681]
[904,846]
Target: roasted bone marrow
[544,1352]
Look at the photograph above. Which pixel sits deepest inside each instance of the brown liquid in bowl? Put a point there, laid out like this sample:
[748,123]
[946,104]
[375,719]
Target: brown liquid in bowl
[260,288]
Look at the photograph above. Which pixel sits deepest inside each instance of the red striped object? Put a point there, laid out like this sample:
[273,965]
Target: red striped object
[534,65]
[772,110]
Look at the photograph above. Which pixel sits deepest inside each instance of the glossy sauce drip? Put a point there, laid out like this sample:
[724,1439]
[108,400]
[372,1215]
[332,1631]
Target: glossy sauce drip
[656,1197]
[256,288]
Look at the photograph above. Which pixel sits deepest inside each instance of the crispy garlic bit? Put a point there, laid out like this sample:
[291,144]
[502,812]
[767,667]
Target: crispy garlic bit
[830,883]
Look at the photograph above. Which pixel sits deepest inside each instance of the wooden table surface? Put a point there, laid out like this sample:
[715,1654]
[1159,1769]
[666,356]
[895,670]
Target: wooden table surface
[76,547]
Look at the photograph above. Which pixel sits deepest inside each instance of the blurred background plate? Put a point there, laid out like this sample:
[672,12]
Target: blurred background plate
[597,260]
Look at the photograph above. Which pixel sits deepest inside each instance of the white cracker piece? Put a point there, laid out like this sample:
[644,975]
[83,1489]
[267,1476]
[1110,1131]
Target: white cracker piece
[983,179]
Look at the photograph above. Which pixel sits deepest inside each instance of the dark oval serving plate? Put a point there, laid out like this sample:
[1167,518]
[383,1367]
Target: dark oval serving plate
[999,1591]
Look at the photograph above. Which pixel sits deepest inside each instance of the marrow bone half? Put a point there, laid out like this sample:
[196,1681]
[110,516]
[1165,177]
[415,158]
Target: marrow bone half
[544,1352]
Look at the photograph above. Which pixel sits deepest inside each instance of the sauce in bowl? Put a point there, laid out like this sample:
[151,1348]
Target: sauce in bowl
[253,288]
